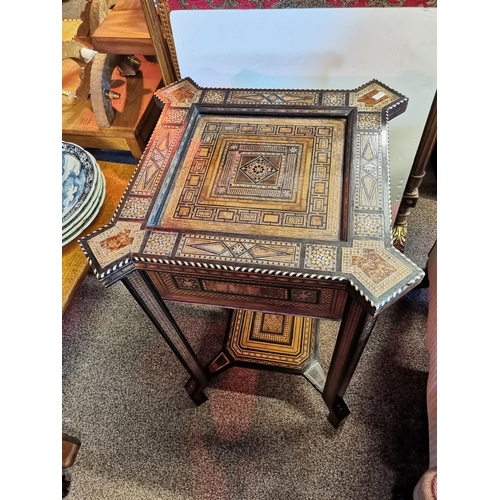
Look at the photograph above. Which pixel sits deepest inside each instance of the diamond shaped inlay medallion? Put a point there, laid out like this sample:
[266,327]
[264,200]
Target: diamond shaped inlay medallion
[259,170]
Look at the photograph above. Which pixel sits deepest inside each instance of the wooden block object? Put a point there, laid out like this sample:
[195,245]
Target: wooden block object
[69,452]
[124,31]
[136,112]
[74,264]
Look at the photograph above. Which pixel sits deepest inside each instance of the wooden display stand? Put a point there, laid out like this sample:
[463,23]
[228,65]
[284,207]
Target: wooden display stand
[135,112]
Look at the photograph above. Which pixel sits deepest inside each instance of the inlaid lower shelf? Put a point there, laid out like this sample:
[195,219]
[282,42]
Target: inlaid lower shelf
[276,342]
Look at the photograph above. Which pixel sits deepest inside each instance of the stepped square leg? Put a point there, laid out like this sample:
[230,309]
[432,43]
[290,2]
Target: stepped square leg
[354,332]
[140,287]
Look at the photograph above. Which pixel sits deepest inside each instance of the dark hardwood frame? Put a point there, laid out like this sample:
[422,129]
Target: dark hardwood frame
[349,114]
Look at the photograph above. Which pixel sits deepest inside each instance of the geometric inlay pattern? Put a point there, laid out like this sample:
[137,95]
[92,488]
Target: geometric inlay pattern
[369,172]
[256,97]
[320,257]
[239,249]
[277,174]
[181,95]
[369,121]
[372,98]
[174,115]
[116,242]
[161,145]
[160,243]
[135,208]
[374,266]
[259,170]
[369,225]
[333,99]
[214,97]
[291,346]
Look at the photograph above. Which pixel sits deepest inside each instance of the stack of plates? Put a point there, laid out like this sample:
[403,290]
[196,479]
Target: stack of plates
[83,190]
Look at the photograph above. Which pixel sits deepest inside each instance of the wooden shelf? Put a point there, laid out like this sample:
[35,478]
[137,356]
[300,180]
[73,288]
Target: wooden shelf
[74,263]
[136,113]
[124,31]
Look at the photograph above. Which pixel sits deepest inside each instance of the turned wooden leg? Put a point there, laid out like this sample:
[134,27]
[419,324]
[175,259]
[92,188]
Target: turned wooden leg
[140,287]
[354,332]
[417,173]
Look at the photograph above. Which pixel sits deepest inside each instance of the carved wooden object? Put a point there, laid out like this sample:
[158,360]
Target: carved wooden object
[273,201]
[417,173]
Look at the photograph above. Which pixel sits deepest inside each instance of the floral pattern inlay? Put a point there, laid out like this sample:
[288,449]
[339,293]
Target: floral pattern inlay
[214,97]
[135,208]
[375,267]
[181,95]
[116,242]
[175,116]
[333,99]
[369,121]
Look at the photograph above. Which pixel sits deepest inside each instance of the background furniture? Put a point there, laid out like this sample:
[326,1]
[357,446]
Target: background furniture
[135,111]
[74,264]
[426,489]
[410,197]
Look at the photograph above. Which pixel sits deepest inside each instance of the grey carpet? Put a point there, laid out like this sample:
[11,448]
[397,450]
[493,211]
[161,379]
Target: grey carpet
[261,434]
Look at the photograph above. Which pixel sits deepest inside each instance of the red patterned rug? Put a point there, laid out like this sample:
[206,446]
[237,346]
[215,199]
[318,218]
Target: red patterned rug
[293,4]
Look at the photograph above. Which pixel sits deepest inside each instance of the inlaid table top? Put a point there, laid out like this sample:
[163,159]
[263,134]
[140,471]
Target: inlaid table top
[269,185]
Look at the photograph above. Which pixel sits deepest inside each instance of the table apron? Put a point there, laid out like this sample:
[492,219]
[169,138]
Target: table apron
[307,297]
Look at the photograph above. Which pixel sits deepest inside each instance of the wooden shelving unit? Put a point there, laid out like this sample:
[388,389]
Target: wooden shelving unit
[136,113]
[124,31]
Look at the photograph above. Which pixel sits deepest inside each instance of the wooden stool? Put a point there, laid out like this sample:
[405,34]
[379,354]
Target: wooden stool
[275,342]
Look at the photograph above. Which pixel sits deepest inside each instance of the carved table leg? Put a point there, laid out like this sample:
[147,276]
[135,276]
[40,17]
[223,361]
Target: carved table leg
[354,332]
[139,286]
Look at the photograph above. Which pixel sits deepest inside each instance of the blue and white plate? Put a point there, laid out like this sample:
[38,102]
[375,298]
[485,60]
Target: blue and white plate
[79,180]
[88,208]
[88,217]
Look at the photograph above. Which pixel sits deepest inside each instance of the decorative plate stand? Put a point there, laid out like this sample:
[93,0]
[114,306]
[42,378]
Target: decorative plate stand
[274,203]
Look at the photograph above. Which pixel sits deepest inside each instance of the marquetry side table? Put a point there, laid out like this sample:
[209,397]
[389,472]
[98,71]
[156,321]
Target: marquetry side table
[271,201]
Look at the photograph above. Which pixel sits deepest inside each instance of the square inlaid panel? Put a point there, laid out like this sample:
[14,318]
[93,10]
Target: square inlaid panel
[275,174]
